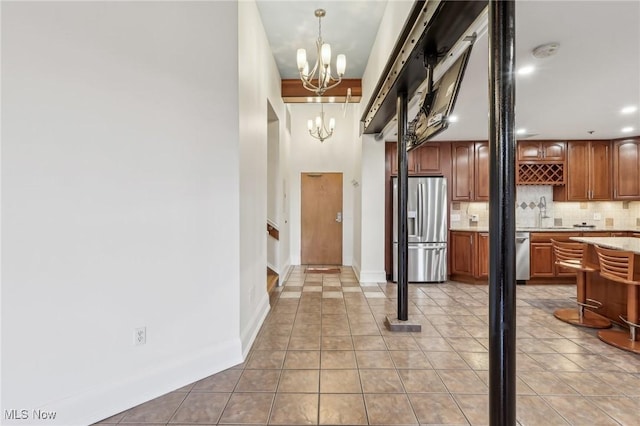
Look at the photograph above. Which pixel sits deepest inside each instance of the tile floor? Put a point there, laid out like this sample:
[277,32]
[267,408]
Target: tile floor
[324,357]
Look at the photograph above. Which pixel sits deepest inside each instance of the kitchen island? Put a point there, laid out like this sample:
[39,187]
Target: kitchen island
[611,294]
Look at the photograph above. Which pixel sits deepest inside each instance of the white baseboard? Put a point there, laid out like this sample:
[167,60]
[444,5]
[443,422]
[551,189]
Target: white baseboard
[248,335]
[104,401]
[372,277]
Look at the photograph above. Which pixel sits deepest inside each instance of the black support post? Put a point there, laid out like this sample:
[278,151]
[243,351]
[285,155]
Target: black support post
[502,278]
[403,183]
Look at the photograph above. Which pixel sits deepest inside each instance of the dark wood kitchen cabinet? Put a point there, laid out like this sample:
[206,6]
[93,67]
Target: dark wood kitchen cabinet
[626,169]
[461,253]
[588,174]
[428,160]
[470,171]
[541,151]
[483,255]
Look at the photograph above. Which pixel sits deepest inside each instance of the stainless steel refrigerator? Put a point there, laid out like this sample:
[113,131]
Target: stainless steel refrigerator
[427,229]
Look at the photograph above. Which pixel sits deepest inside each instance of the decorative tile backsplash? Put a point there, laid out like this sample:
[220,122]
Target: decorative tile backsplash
[535,208]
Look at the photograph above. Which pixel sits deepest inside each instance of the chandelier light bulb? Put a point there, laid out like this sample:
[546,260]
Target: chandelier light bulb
[320,131]
[318,122]
[305,69]
[326,54]
[341,64]
[332,124]
[302,59]
[310,125]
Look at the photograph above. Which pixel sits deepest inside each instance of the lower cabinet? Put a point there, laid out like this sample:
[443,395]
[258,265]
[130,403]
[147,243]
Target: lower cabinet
[469,256]
[543,261]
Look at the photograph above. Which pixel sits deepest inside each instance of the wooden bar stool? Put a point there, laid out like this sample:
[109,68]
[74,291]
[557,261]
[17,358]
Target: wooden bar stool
[569,255]
[618,266]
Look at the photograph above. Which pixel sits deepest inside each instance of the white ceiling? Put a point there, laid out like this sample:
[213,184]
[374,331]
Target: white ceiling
[595,73]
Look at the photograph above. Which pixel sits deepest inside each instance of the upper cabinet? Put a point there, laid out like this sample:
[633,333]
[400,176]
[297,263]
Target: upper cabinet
[429,159]
[626,169]
[541,163]
[541,151]
[470,171]
[589,167]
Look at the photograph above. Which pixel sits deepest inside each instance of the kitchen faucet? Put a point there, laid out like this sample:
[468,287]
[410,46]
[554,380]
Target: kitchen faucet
[542,214]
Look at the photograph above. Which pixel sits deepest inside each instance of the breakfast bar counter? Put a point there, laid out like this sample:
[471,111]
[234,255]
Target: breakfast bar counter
[611,294]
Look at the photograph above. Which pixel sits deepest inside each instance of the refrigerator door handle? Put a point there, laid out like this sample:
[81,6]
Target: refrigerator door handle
[420,215]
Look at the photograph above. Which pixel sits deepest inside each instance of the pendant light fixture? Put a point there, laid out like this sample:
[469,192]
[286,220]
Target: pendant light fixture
[318,128]
[324,79]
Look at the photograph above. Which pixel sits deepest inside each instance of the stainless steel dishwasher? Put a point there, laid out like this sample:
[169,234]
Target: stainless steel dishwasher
[522,256]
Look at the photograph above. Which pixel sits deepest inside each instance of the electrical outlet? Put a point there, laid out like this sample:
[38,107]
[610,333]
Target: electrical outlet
[473,218]
[597,216]
[140,336]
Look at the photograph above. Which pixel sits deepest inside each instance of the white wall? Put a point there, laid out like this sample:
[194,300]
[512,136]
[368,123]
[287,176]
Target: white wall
[369,258]
[259,85]
[373,212]
[120,202]
[336,154]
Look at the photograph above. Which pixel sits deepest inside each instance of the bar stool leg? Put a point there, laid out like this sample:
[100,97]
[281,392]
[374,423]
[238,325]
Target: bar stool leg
[581,316]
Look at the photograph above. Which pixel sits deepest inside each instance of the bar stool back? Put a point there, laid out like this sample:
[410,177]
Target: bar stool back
[618,266]
[570,255]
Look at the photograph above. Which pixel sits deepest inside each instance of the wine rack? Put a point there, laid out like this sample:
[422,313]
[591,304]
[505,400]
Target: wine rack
[540,174]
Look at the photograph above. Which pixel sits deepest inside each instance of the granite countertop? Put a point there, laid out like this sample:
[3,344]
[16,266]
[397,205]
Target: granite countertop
[616,243]
[547,229]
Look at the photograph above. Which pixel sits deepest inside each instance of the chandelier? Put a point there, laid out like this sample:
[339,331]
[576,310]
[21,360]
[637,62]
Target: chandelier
[318,128]
[325,80]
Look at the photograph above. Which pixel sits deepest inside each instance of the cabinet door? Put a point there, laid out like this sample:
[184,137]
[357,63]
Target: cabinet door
[600,170]
[483,255]
[553,151]
[462,160]
[462,253]
[578,171]
[626,170]
[481,184]
[392,155]
[541,260]
[428,159]
[529,151]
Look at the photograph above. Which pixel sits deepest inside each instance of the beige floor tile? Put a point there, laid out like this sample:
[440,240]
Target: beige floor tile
[304,343]
[476,360]
[533,410]
[622,409]
[401,343]
[294,409]
[588,384]
[302,360]
[337,359]
[474,407]
[340,381]
[201,408]
[342,409]
[249,408]
[157,410]
[410,359]
[446,360]
[335,343]
[555,362]
[437,409]
[380,381]
[299,381]
[225,381]
[462,381]
[384,409]
[266,360]
[374,359]
[369,343]
[258,381]
[421,381]
[579,411]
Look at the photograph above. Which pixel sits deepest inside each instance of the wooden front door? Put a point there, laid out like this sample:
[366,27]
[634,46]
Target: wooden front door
[321,214]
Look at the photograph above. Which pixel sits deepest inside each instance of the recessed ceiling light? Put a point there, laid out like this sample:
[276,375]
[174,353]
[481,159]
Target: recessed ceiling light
[453,118]
[526,70]
[627,129]
[521,131]
[629,109]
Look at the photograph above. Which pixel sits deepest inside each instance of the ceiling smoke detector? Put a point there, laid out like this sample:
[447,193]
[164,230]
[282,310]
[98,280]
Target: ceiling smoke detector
[545,50]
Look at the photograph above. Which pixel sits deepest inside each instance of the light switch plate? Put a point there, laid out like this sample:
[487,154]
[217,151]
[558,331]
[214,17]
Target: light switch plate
[455,217]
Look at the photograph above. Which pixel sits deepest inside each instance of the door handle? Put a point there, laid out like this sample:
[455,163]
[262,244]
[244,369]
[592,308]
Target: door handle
[339,217]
